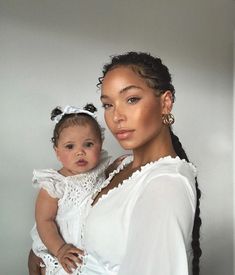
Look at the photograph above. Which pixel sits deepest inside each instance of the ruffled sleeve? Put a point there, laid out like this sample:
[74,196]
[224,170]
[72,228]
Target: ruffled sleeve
[51,181]
[160,228]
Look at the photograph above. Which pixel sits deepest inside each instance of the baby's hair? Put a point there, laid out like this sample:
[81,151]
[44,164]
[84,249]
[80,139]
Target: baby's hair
[73,119]
[55,112]
[90,107]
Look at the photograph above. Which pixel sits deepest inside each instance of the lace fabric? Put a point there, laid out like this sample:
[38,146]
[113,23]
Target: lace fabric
[71,193]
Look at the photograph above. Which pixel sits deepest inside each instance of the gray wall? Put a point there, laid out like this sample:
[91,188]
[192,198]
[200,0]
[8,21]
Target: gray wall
[233,146]
[51,53]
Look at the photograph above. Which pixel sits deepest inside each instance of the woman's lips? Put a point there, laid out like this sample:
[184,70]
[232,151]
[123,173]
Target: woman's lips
[124,134]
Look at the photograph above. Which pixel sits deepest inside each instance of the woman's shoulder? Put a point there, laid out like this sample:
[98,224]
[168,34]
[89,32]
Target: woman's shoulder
[168,170]
[171,166]
[172,178]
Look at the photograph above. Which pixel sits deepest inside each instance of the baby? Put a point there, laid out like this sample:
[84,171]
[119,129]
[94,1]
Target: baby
[77,141]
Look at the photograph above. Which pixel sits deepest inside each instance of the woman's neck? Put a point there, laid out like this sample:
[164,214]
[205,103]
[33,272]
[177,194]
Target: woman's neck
[154,150]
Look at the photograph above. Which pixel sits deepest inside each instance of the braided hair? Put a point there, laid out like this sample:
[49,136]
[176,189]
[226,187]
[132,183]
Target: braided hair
[155,73]
[73,119]
[157,77]
[197,252]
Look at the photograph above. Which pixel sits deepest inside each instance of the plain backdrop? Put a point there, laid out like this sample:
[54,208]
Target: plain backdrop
[52,53]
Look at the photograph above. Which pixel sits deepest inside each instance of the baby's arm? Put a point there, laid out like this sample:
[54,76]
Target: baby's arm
[45,213]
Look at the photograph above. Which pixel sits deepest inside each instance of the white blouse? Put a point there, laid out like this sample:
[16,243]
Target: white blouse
[143,226]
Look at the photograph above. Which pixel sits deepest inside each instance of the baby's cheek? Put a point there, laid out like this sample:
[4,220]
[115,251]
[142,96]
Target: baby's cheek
[64,159]
[96,156]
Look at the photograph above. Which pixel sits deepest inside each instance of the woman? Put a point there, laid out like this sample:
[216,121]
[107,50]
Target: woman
[145,217]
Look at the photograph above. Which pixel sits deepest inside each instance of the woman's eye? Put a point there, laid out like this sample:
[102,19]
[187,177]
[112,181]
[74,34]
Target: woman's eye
[133,100]
[69,146]
[88,144]
[106,105]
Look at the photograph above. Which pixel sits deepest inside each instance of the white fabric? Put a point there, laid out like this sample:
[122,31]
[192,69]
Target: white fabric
[143,226]
[72,110]
[71,192]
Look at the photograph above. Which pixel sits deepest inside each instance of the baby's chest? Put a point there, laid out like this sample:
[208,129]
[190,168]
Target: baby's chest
[74,196]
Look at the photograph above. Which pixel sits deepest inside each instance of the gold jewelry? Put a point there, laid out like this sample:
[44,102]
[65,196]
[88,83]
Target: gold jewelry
[168,119]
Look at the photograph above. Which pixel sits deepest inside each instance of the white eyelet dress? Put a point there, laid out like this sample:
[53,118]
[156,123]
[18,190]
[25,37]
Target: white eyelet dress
[72,192]
[144,226]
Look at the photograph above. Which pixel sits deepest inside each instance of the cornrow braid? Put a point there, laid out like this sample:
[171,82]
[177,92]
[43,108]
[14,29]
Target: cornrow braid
[151,69]
[197,252]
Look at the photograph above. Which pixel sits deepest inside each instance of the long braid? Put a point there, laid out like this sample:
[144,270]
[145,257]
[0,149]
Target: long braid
[197,252]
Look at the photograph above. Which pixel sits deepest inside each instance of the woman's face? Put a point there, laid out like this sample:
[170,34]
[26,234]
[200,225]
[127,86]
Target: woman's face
[132,110]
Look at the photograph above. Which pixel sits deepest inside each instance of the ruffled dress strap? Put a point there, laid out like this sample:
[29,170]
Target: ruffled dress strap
[104,163]
[51,181]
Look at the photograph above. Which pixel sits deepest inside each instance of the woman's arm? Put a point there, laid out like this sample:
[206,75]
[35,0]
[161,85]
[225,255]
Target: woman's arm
[161,228]
[45,214]
[34,264]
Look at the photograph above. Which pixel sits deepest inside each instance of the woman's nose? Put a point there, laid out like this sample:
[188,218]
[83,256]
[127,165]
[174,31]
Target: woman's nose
[118,115]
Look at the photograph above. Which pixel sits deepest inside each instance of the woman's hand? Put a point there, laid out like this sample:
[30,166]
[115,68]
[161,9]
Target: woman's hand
[70,257]
[34,264]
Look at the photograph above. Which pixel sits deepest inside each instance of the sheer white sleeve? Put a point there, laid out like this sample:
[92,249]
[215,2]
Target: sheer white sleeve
[51,181]
[159,236]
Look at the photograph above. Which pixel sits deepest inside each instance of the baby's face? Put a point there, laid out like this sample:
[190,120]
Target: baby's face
[78,149]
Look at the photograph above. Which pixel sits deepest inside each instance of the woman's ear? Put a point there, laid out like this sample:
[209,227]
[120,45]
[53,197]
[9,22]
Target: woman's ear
[167,102]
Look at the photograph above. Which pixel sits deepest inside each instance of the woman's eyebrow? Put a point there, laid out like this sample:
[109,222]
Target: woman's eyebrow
[129,88]
[125,89]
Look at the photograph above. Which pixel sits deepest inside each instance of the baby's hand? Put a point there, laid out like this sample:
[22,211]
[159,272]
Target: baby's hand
[70,257]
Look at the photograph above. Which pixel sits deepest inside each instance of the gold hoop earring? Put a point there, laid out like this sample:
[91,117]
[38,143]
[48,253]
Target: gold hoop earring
[168,119]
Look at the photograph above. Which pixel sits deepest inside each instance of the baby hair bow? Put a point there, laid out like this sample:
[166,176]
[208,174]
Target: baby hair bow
[72,110]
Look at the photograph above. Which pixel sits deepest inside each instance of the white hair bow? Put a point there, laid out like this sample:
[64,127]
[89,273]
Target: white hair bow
[72,110]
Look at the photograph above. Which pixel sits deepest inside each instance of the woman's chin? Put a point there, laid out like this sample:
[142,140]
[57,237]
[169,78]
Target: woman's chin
[126,146]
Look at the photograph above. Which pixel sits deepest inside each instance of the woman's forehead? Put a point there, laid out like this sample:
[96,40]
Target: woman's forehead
[121,79]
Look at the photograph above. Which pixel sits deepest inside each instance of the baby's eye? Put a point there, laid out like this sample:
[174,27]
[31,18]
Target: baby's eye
[88,144]
[106,106]
[69,146]
[133,100]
